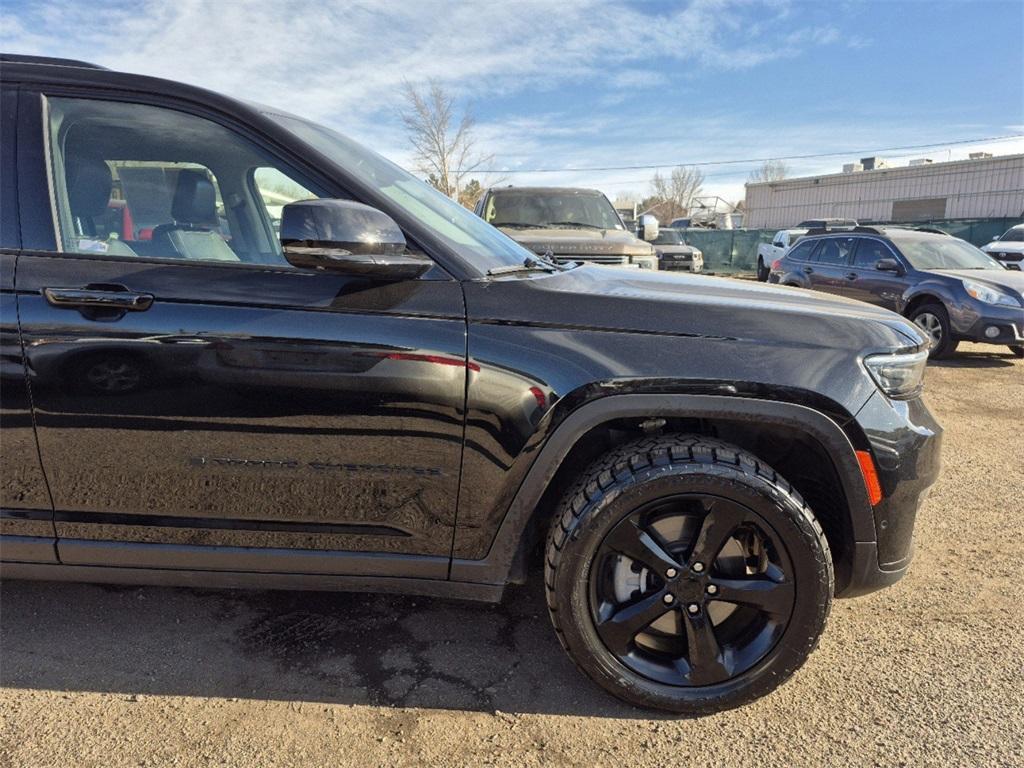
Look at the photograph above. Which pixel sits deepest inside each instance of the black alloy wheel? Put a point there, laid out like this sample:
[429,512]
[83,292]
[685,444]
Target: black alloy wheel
[685,574]
[691,590]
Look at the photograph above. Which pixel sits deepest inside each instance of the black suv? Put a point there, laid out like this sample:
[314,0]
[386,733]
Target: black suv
[392,395]
[951,290]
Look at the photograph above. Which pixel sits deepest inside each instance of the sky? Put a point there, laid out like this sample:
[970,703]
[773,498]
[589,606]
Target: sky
[575,85]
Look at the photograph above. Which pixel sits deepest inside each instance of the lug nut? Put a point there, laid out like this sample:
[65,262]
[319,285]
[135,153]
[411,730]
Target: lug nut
[698,567]
[671,573]
[668,599]
[693,608]
[712,589]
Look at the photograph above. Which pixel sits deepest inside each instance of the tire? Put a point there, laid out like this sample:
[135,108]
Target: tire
[762,270]
[1018,350]
[624,491]
[933,320]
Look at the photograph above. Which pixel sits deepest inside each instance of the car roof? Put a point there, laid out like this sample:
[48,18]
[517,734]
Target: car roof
[878,230]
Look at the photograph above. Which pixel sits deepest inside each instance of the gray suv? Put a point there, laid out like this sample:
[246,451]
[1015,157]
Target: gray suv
[951,290]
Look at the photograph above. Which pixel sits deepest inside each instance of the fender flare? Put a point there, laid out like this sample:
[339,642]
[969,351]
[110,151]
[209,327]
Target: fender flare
[497,565]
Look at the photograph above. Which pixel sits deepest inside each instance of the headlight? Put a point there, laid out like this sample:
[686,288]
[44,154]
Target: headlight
[898,376]
[989,295]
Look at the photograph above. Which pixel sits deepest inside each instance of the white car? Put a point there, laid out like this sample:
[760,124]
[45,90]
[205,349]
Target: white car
[767,253]
[1008,248]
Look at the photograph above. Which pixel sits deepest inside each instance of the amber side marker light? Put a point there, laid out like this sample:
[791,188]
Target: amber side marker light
[867,469]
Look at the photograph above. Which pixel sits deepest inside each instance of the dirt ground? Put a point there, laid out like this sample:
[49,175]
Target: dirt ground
[929,672]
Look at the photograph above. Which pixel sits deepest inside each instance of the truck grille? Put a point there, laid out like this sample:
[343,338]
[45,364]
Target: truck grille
[590,259]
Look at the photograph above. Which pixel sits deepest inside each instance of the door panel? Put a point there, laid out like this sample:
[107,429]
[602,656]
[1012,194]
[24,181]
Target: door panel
[248,407]
[26,514]
[865,283]
[830,264]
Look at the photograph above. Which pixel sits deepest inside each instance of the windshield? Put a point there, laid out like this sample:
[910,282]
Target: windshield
[941,252]
[1015,235]
[477,242]
[540,208]
[669,237]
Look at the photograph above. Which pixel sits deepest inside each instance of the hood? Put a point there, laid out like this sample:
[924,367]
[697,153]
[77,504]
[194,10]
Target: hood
[1000,278]
[1004,246]
[564,241]
[673,303]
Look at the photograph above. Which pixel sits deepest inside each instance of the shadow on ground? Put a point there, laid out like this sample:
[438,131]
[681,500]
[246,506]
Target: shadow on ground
[308,646]
[973,359]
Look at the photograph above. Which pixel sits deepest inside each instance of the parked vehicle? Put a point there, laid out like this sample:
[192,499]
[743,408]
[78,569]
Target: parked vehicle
[768,253]
[1008,248]
[946,286]
[568,225]
[675,254]
[393,396]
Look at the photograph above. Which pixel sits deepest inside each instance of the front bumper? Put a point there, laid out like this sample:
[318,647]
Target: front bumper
[906,444]
[973,324]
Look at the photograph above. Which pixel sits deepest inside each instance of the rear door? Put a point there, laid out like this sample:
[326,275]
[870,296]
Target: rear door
[866,283]
[829,265]
[200,403]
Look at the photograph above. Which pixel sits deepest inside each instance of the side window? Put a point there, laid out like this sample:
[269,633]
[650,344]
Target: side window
[834,250]
[869,252]
[802,251]
[137,180]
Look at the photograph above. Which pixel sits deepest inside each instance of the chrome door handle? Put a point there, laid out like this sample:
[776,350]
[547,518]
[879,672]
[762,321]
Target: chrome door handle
[100,299]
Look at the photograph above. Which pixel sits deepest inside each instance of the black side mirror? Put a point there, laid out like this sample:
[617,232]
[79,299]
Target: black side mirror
[889,265]
[349,237]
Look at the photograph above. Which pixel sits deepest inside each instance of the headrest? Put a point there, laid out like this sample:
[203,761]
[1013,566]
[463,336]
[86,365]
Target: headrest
[89,182]
[195,199]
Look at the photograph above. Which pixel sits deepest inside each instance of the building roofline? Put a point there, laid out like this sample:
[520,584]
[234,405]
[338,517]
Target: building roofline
[875,172]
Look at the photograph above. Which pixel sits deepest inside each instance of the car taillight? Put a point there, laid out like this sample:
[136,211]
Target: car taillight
[777,265]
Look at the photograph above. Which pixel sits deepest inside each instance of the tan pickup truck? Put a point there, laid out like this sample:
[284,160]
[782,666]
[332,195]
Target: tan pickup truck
[570,224]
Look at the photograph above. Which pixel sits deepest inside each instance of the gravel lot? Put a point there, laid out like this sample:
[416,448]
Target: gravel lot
[929,672]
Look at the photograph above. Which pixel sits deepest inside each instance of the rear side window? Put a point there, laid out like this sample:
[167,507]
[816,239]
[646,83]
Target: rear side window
[802,251]
[835,250]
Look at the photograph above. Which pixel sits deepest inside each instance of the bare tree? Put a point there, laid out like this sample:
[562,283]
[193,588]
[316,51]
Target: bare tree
[770,170]
[443,140]
[672,196]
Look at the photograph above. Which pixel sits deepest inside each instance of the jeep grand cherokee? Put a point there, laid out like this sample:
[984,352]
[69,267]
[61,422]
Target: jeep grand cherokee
[300,367]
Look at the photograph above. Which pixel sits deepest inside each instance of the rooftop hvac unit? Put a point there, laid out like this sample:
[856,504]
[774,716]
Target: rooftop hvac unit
[921,161]
[873,163]
[979,155]
[853,168]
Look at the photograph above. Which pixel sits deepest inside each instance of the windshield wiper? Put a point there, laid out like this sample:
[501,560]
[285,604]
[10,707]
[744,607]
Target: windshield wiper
[515,224]
[529,264]
[581,224]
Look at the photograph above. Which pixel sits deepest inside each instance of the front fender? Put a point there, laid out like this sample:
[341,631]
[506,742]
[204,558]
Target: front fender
[495,567]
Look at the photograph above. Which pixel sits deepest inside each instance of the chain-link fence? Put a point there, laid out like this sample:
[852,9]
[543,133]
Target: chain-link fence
[731,251]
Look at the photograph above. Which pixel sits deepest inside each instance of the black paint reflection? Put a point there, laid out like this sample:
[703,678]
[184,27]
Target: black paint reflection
[344,423]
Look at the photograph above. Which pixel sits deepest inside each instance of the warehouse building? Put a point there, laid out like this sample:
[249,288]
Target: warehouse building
[978,188]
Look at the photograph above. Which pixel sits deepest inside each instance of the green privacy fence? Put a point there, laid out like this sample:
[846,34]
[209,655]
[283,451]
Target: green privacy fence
[729,251]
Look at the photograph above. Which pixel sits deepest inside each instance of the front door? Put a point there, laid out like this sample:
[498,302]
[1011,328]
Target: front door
[865,282]
[199,402]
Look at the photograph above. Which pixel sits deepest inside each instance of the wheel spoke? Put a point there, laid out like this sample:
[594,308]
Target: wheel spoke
[704,654]
[764,594]
[627,538]
[619,629]
[720,522]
